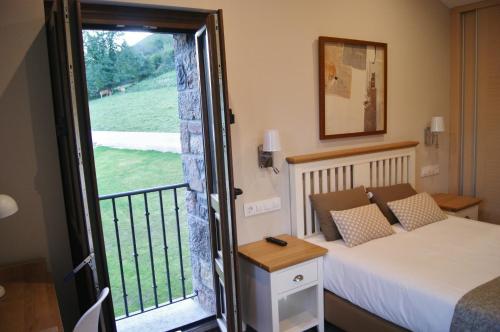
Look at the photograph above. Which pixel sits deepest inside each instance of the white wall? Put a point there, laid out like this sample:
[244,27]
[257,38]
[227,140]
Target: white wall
[271,49]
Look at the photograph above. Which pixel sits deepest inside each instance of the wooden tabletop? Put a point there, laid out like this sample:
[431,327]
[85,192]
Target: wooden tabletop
[272,257]
[30,302]
[454,203]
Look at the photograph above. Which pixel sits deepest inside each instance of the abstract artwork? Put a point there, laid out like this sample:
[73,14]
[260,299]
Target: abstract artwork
[352,87]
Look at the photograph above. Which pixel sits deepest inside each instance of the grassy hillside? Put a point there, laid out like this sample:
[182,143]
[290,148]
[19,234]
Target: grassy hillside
[167,80]
[150,105]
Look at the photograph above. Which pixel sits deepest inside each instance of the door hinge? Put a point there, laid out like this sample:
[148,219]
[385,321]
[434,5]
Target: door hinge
[232,118]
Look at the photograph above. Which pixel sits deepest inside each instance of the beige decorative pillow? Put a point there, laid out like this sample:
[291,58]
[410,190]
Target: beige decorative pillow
[361,224]
[416,211]
[382,195]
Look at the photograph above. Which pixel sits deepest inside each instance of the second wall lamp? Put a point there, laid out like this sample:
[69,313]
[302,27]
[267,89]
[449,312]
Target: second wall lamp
[265,151]
[432,132]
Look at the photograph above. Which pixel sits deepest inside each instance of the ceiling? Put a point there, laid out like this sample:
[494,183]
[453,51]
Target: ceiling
[456,3]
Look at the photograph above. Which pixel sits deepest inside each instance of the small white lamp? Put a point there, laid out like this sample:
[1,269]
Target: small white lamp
[8,207]
[265,151]
[432,132]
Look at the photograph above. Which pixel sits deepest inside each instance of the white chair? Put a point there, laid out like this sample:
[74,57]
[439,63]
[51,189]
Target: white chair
[89,322]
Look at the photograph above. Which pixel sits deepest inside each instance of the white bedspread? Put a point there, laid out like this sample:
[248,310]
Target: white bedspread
[414,279]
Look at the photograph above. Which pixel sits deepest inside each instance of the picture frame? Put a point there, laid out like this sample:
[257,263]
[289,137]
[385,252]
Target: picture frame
[352,87]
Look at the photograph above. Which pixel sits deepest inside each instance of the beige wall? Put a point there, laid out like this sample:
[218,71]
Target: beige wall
[271,49]
[29,167]
[272,68]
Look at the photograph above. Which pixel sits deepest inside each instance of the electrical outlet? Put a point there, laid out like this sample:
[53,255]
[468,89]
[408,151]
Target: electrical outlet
[264,206]
[429,170]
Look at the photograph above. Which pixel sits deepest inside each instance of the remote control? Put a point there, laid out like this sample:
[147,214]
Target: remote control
[276,241]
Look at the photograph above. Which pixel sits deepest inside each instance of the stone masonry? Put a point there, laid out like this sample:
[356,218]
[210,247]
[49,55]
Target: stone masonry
[194,168]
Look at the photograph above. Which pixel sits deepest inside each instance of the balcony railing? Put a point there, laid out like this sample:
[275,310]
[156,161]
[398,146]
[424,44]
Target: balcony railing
[145,233]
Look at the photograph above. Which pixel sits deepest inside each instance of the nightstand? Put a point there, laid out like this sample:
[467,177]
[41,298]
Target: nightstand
[282,287]
[460,206]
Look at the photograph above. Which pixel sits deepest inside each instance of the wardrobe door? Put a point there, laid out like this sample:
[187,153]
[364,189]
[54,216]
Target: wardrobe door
[468,123]
[488,113]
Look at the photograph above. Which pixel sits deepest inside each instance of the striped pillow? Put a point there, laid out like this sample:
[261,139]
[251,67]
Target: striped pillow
[361,224]
[416,211]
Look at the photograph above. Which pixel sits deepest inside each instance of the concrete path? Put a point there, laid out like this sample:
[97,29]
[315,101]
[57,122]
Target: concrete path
[163,142]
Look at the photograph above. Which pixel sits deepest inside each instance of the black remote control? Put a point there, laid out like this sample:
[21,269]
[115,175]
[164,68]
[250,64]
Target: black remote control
[276,241]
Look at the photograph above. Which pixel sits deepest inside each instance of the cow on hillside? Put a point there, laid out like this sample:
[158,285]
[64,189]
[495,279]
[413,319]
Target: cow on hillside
[121,88]
[106,92]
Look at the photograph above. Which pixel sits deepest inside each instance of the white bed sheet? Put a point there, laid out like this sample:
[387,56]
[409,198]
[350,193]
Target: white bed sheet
[414,279]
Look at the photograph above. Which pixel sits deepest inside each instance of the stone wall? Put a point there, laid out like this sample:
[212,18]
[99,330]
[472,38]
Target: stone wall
[194,168]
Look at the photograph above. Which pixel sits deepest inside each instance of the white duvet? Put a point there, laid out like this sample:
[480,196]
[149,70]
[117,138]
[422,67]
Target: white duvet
[414,279]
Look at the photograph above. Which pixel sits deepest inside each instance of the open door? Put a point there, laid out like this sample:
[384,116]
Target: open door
[75,154]
[64,29]
[220,188]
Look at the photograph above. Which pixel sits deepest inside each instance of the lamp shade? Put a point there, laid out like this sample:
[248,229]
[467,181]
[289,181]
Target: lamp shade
[437,124]
[8,206]
[271,141]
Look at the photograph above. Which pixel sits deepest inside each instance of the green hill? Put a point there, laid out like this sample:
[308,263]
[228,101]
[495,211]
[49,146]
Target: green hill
[155,43]
[158,49]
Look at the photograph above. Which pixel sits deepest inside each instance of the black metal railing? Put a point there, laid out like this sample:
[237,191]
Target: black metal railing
[159,212]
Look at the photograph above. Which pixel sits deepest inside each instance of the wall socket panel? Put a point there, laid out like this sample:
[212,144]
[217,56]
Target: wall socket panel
[429,170]
[258,207]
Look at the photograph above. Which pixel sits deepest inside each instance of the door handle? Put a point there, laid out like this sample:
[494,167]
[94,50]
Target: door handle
[237,192]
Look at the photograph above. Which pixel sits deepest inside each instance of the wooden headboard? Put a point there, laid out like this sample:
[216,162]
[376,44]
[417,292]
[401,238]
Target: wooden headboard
[370,166]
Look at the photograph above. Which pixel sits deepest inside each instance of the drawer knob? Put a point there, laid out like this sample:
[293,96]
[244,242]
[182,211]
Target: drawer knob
[298,278]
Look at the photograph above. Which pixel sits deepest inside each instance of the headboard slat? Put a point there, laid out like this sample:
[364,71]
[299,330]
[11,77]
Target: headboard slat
[308,210]
[387,172]
[375,168]
[324,181]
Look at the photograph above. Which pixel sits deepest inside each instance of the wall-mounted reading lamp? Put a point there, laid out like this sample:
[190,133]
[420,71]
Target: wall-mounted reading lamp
[265,151]
[432,132]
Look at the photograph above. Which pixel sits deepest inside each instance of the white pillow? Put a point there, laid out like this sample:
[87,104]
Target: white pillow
[416,211]
[361,224]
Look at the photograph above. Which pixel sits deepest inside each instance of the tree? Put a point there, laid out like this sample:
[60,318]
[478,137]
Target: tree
[101,53]
[110,64]
[127,65]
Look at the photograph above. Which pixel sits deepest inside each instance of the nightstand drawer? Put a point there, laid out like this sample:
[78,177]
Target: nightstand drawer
[296,276]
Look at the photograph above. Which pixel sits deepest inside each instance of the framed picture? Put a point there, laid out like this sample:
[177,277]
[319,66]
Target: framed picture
[352,88]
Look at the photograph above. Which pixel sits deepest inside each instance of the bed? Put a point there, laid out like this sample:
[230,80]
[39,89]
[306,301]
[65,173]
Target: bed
[407,281]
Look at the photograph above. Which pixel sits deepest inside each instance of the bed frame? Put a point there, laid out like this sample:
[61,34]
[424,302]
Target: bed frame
[371,166]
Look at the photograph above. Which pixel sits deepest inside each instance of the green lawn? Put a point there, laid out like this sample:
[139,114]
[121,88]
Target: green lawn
[124,170]
[150,105]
